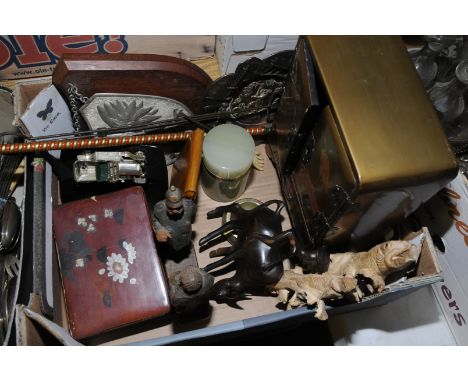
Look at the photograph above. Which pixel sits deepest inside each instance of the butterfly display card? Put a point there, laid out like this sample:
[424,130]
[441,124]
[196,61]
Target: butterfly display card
[48,114]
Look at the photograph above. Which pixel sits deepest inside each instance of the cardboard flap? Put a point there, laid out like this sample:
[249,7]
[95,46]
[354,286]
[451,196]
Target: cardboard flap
[34,329]
[248,43]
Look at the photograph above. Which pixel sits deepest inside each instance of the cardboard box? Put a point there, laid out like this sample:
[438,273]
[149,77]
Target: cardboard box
[446,215]
[442,307]
[232,50]
[24,92]
[420,322]
[222,320]
[35,56]
[257,313]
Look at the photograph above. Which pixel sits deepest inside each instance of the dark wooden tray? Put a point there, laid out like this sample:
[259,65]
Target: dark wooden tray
[149,74]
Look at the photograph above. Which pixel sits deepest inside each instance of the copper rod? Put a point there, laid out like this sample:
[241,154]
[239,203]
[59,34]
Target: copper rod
[91,143]
[194,161]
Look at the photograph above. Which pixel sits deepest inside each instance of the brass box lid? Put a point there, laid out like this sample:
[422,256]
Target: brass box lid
[390,129]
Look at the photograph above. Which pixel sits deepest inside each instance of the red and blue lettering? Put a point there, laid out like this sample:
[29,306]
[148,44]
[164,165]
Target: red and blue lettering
[30,51]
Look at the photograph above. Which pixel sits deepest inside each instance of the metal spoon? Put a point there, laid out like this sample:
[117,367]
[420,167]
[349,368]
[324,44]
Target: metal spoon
[7,299]
[10,222]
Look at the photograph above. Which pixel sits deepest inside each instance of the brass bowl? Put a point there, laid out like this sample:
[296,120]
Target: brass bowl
[246,204]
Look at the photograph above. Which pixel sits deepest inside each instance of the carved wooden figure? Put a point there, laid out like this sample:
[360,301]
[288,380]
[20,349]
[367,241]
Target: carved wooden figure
[258,253]
[189,288]
[375,264]
[311,289]
[172,219]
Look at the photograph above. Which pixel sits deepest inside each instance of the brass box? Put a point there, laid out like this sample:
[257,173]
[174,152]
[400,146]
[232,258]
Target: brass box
[356,142]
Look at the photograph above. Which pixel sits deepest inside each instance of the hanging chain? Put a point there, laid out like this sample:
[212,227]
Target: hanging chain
[74,97]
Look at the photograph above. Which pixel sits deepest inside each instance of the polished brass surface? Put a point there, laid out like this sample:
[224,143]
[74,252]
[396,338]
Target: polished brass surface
[391,132]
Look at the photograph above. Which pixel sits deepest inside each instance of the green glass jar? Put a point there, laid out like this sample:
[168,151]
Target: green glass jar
[228,154]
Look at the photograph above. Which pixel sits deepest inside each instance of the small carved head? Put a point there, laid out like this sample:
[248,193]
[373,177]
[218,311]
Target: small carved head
[174,201]
[191,280]
[226,290]
[397,254]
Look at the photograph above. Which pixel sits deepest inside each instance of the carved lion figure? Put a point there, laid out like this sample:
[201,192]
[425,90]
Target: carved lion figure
[375,264]
[311,289]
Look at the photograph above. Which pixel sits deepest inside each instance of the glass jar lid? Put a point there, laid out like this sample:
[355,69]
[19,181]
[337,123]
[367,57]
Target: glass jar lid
[228,151]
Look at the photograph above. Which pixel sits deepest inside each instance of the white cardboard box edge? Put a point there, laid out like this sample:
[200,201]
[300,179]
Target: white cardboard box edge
[233,50]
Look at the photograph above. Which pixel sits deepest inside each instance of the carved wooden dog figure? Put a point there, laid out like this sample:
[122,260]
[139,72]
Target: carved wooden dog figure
[311,289]
[375,264]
